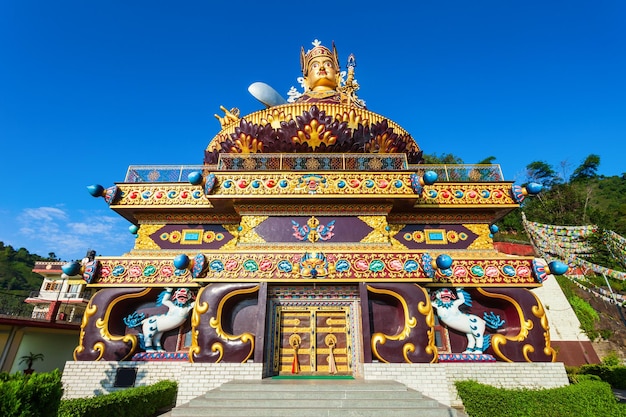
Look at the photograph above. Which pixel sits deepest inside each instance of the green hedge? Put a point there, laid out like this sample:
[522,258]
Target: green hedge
[587,398]
[131,402]
[614,375]
[38,394]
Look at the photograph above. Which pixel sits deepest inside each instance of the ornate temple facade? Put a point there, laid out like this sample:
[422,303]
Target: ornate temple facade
[314,241]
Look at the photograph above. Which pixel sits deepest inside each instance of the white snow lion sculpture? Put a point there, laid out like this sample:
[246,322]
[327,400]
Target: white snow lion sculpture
[179,304]
[448,303]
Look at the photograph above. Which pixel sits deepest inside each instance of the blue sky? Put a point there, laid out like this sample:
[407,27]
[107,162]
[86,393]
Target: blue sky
[88,88]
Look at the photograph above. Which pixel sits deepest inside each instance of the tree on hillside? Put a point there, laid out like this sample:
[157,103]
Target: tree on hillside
[444,158]
[588,169]
[487,161]
[542,173]
[16,269]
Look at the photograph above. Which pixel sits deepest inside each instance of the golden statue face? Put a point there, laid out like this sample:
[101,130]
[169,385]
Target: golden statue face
[322,74]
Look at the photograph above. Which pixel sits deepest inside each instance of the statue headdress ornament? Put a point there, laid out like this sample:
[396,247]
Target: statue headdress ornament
[317,51]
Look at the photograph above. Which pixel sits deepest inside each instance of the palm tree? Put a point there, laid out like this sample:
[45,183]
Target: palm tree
[29,360]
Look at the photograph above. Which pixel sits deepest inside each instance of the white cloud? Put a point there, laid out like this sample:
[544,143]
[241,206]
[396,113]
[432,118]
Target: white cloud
[102,224]
[69,234]
[43,213]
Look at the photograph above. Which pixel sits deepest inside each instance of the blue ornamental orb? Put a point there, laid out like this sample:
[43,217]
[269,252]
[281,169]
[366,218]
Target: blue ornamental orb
[444,261]
[133,228]
[195,177]
[181,261]
[95,190]
[430,177]
[494,229]
[71,269]
[534,188]
[557,267]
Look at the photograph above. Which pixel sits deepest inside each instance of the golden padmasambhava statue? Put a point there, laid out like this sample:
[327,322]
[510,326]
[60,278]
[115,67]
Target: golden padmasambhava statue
[322,79]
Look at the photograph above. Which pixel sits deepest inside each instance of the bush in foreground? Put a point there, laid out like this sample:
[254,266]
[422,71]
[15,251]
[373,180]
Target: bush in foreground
[132,402]
[587,398]
[37,394]
[614,375]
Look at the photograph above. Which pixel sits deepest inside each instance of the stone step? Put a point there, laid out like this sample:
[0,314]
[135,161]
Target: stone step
[313,403]
[313,398]
[313,412]
[297,385]
[291,394]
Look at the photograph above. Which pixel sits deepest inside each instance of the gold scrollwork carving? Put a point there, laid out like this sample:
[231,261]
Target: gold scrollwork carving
[103,325]
[498,340]
[144,241]
[90,310]
[409,323]
[483,241]
[380,234]
[244,232]
[426,309]
[539,312]
[394,229]
[198,310]
[216,323]
[218,347]
[406,349]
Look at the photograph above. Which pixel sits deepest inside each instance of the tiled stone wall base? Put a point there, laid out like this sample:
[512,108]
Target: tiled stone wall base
[437,380]
[86,379]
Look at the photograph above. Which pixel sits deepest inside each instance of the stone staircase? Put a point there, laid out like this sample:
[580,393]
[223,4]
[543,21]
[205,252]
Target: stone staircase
[313,398]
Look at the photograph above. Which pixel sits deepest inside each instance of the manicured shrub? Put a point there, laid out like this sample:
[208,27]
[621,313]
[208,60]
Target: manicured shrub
[587,398]
[614,375]
[37,394]
[132,402]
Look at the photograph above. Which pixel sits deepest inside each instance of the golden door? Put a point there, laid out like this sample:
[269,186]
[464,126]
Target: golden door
[312,340]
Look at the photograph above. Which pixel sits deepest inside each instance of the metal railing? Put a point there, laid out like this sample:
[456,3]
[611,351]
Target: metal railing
[310,162]
[60,296]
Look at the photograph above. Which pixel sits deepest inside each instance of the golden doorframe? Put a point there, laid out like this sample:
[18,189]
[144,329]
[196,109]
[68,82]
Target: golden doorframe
[312,339]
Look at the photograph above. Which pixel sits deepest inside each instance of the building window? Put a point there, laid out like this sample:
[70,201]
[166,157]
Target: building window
[52,286]
[75,289]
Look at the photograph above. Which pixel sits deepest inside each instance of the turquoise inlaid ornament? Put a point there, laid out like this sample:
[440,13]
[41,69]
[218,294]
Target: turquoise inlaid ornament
[250,265]
[377,266]
[216,265]
[477,271]
[411,266]
[149,270]
[342,266]
[285,266]
[508,270]
[118,270]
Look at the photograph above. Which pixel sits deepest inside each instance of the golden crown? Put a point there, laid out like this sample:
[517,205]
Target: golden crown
[317,51]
